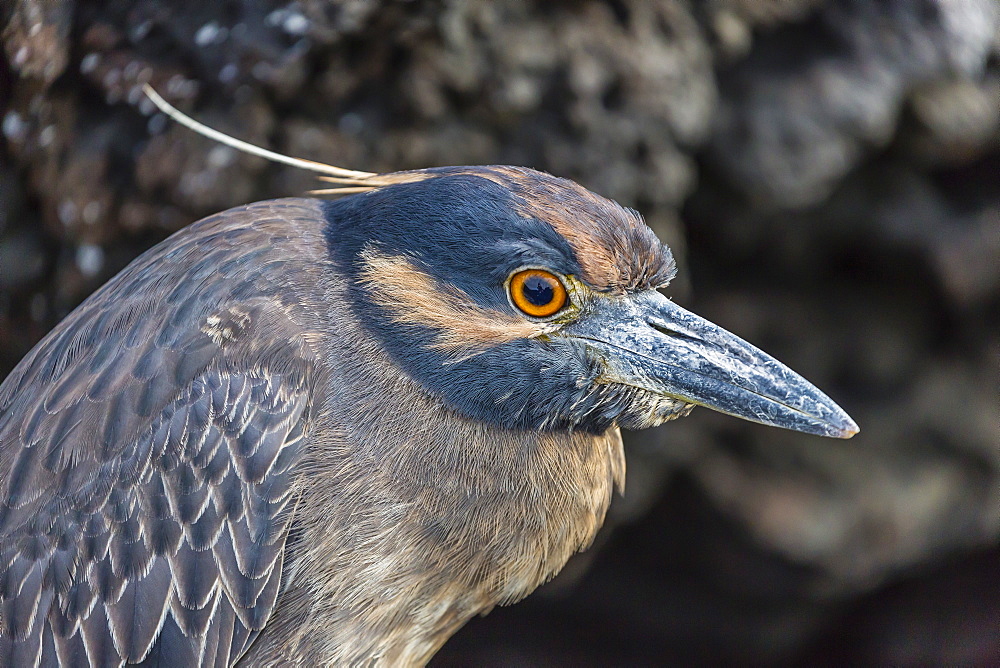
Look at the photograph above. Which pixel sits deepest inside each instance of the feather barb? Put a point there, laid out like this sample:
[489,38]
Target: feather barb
[353,180]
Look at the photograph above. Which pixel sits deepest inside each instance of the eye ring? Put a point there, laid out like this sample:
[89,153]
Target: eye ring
[537,292]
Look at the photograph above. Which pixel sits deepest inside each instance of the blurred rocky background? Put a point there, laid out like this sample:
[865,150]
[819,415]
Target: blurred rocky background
[827,172]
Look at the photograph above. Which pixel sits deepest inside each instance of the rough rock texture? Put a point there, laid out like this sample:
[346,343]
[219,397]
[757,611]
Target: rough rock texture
[826,170]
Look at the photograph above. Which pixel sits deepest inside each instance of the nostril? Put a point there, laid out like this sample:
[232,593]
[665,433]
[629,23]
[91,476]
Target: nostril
[666,330]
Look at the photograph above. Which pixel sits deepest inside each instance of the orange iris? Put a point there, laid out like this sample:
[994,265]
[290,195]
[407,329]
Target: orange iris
[537,292]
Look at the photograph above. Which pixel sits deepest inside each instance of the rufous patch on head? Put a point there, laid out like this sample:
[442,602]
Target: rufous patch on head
[614,247]
[411,296]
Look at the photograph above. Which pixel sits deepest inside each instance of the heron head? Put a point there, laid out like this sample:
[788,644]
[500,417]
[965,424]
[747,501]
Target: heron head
[527,301]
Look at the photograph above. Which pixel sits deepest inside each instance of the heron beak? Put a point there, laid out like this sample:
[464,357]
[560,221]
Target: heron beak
[649,342]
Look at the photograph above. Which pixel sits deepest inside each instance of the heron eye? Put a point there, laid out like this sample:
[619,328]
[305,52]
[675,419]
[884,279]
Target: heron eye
[538,293]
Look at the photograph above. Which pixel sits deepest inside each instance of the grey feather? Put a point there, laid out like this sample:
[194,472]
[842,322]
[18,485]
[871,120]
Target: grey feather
[138,616]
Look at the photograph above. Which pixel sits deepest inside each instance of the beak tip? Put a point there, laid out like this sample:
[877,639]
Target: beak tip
[846,429]
[850,431]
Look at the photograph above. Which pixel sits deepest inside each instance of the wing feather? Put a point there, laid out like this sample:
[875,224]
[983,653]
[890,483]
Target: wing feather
[138,616]
[70,650]
[173,648]
[97,642]
[147,459]
[49,657]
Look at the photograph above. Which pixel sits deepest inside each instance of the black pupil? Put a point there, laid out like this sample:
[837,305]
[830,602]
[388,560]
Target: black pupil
[538,291]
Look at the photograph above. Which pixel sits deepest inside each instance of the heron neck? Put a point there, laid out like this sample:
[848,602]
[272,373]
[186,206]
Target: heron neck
[414,519]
